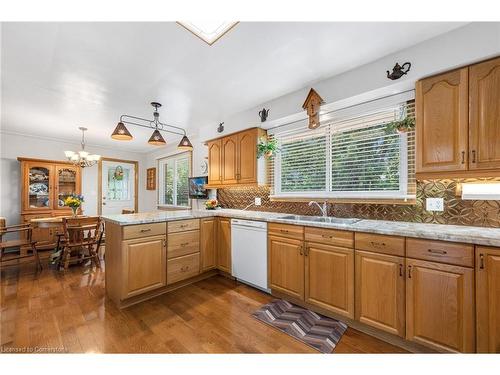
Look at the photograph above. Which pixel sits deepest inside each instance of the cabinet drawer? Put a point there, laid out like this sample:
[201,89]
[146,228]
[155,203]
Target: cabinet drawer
[183,243]
[143,230]
[286,230]
[183,225]
[441,251]
[182,268]
[380,243]
[330,236]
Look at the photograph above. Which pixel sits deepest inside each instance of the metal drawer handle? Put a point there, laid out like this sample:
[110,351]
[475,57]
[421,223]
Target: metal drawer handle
[300,250]
[463,157]
[284,230]
[437,252]
[184,269]
[183,225]
[473,156]
[326,236]
[184,244]
[400,269]
[409,272]
[481,261]
[377,243]
[145,230]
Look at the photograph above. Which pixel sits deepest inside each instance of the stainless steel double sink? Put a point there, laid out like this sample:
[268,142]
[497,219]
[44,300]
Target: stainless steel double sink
[320,219]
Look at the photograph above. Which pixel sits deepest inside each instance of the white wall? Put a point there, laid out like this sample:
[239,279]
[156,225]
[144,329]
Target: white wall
[13,146]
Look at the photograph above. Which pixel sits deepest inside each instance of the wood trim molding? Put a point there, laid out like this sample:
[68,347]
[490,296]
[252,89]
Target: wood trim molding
[65,162]
[99,182]
[458,174]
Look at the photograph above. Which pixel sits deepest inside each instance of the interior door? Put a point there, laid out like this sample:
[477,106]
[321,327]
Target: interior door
[485,115]
[118,187]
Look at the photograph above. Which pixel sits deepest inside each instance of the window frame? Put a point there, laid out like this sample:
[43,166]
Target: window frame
[161,164]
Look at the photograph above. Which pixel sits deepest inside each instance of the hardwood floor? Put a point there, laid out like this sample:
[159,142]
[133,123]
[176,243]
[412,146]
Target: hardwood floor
[55,312]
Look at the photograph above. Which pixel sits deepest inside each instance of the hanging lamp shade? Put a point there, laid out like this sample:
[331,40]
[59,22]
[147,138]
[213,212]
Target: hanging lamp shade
[121,133]
[185,144]
[157,139]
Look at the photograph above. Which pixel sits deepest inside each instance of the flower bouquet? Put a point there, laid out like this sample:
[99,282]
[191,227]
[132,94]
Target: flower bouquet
[211,204]
[74,201]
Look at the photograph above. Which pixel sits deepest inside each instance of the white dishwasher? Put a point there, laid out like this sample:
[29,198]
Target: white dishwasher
[249,252]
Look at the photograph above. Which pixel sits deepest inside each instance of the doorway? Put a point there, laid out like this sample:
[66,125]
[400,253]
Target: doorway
[118,186]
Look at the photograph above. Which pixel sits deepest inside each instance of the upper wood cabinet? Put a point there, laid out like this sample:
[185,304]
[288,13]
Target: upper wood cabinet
[208,243]
[215,162]
[488,299]
[440,306]
[458,122]
[442,122]
[233,159]
[224,244]
[380,291]
[484,128]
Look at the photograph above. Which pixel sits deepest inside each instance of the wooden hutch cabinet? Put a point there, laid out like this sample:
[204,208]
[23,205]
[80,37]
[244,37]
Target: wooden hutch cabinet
[44,186]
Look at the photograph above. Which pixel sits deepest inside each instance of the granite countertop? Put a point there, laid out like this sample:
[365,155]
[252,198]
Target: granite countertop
[456,233]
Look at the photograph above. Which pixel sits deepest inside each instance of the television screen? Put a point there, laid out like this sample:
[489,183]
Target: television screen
[196,187]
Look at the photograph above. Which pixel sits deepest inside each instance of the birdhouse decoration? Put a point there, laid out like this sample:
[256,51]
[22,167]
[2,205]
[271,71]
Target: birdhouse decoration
[311,105]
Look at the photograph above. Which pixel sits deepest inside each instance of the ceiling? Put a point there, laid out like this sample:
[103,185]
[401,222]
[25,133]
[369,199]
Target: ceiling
[58,76]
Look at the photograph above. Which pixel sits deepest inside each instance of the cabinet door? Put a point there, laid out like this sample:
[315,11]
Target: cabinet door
[442,122]
[38,186]
[208,244]
[247,157]
[484,128]
[286,266]
[329,278]
[44,237]
[224,245]
[215,162]
[440,306]
[230,159]
[67,182]
[144,265]
[380,291]
[488,299]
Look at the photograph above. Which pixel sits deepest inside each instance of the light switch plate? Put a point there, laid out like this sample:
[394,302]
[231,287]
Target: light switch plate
[258,201]
[434,204]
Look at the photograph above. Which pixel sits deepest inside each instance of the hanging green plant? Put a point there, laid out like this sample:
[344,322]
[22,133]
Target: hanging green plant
[401,126]
[267,148]
[118,175]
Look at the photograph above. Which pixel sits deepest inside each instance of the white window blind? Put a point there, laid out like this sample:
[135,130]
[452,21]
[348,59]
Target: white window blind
[357,155]
[174,172]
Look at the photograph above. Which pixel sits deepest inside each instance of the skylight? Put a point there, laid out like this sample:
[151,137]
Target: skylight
[208,31]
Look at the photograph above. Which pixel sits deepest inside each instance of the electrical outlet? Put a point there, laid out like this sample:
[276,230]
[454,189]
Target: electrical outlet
[434,204]
[258,201]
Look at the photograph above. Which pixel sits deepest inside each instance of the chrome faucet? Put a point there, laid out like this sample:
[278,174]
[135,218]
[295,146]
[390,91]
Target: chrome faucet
[324,209]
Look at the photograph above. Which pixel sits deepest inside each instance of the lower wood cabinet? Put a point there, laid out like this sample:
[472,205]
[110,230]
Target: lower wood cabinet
[488,299]
[329,278]
[440,306]
[380,291]
[183,267]
[286,265]
[224,244]
[208,243]
[141,254]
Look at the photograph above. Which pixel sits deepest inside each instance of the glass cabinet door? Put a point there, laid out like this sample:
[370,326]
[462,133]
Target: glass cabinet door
[66,184]
[39,189]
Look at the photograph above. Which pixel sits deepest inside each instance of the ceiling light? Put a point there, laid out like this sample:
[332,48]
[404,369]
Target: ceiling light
[82,158]
[121,133]
[208,31]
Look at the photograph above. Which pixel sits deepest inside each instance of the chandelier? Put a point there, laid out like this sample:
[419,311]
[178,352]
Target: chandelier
[121,132]
[82,158]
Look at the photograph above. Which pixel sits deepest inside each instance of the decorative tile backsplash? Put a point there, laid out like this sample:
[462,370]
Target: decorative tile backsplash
[456,210]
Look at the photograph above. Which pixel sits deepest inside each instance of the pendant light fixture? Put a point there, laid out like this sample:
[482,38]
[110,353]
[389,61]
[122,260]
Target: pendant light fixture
[121,132]
[82,158]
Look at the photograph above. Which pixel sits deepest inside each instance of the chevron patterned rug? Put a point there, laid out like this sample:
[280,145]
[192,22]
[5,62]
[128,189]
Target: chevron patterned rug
[317,331]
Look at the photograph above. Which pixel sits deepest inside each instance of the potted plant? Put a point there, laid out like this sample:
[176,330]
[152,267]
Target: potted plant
[211,204]
[74,201]
[401,126]
[267,148]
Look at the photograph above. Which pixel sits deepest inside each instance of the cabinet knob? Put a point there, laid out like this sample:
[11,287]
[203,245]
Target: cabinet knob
[473,156]
[481,261]
[409,272]
[463,157]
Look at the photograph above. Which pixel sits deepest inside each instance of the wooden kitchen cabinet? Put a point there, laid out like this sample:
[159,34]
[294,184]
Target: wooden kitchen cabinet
[224,244]
[230,160]
[488,299]
[149,253]
[484,126]
[286,265]
[442,122]
[208,243]
[215,162]
[440,306]
[247,157]
[380,291]
[329,278]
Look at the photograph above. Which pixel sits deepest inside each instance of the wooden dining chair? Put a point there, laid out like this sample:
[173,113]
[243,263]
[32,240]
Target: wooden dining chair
[24,231]
[81,240]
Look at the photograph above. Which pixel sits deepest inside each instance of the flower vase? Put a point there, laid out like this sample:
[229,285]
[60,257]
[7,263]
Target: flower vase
[74,211]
